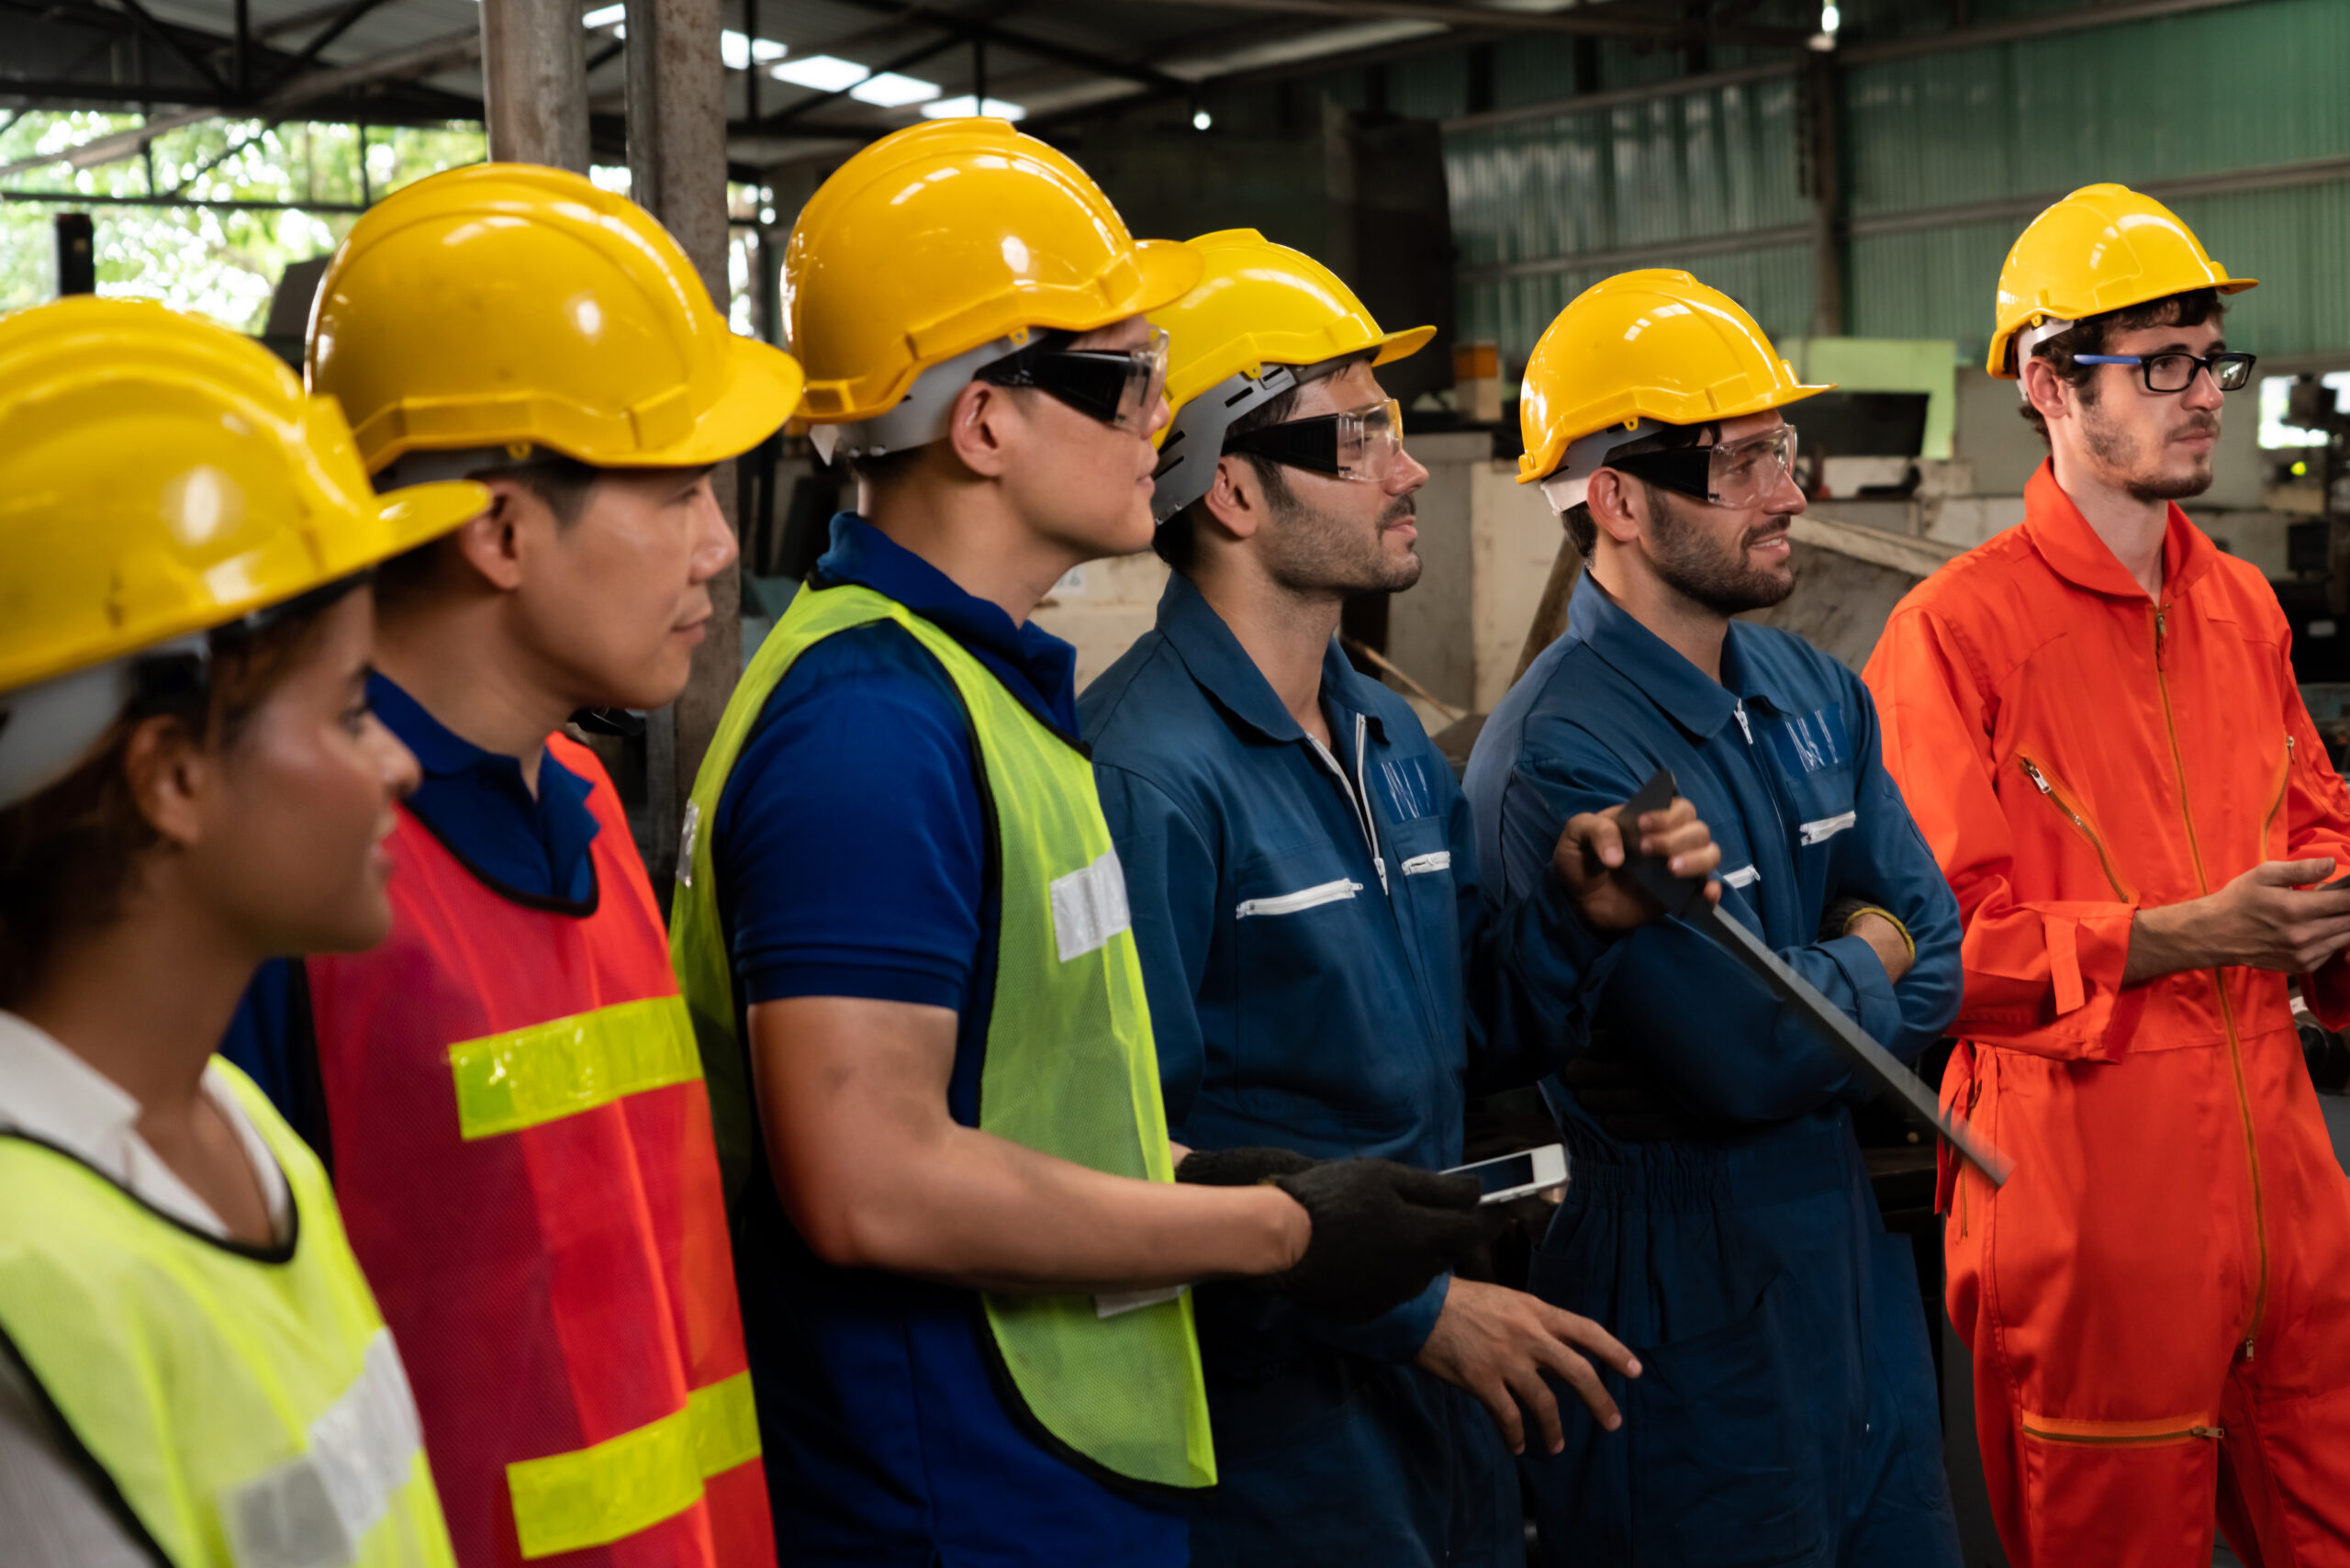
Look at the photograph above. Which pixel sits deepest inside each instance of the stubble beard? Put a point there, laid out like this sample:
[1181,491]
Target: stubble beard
[1695,564]
[1318,555]
[2142,480]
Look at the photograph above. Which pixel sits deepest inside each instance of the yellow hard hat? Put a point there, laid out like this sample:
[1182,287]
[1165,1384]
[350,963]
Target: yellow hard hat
[1257,305]
[1654,344]
[510,305]
[161,475]
[944,237]
[2102,248]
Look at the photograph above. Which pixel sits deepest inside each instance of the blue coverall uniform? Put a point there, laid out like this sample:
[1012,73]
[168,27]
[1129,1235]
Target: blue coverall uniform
[1324,976]
[1720,1220]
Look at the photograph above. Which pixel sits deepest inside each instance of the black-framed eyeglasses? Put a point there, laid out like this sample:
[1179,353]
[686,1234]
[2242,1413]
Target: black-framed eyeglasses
[2175,371]
[1737,474]
[1356,444]
[1118,387]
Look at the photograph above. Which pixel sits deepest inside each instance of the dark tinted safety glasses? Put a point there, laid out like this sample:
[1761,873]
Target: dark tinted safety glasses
[1737,473]
[1359,443]
[2176,372]
[1118,387]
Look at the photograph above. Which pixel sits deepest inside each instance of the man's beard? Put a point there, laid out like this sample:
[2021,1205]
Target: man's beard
[1317,554]
[2143,480]
[1696,563]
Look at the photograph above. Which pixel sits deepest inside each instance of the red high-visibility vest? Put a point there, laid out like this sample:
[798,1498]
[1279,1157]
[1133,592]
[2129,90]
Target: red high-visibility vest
[522,1151]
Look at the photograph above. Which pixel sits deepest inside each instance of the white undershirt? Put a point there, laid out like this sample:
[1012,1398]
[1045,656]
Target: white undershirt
[50,1515]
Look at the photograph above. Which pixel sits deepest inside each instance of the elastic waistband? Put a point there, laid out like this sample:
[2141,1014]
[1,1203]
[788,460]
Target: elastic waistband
[1768,1165]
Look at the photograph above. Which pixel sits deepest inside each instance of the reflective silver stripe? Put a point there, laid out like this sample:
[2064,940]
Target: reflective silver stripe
[314,1510]
[1825,828]
[1435,860]
[1090,906]
[1305,898]
[1745,877]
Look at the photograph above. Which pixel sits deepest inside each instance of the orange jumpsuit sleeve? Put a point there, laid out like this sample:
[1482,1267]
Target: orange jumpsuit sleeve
[2042,976]
[2317,819]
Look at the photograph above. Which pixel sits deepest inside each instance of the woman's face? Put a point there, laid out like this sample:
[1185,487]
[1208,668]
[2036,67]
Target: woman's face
[291,853]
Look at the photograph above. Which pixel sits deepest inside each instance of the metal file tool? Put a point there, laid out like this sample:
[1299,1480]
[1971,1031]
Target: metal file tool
[1686,896]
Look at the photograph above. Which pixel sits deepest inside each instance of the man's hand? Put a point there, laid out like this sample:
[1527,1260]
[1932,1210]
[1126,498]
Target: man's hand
[2264,920]
[1497,1343]
[1591,855]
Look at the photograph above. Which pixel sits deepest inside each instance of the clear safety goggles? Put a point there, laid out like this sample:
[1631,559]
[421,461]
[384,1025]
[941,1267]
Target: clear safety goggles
[2177,372]
[1358,443]
[1118,387]
[1734,474]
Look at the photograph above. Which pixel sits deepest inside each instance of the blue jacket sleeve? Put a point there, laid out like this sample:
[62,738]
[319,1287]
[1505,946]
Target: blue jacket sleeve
[1731,1047]
[1530,970]
[1170,864]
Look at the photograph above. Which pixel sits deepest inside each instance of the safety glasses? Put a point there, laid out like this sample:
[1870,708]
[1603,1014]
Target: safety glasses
[1358,443]
[2176,372]
[1735,473]
[1118,387]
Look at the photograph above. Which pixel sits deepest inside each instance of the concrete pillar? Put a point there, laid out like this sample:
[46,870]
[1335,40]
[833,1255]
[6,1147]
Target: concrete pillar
[535,82]
[1826,168]
[677,160]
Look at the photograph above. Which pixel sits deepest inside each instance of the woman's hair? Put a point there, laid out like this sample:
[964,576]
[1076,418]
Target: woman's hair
[69,854]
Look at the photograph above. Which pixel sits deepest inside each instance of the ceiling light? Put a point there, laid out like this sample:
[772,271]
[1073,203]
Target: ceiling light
[738,51]
[891,91]
[957,108]
[821,72]
[1830,19]
[1201,120]
[606,16]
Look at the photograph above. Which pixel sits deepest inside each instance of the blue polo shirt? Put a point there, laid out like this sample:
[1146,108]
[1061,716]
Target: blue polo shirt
[852,854]
[532,848]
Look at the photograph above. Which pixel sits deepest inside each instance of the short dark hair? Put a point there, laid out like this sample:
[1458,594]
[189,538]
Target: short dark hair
[1178,539]
[2095,334]
[67,855]
[564,482]
[1580,527]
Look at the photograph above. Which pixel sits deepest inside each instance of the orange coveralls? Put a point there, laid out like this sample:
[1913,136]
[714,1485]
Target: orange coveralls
[2158,1302]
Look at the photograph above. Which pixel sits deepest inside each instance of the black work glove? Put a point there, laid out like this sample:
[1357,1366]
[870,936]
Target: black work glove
[1382,1231]
[1239,1167]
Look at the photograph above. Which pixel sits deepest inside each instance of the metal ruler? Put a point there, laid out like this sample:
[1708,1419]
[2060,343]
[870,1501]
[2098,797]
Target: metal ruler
[1686,896]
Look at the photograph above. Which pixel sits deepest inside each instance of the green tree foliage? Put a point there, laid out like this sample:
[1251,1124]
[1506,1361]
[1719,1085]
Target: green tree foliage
[223,262]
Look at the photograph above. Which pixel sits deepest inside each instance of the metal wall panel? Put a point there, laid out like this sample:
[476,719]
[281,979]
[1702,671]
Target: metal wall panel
[1775,285]
[2238,87]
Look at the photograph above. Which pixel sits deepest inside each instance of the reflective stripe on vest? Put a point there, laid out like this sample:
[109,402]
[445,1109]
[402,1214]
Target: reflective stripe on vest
[247,1403]
[1070,1068]
[523,1156]
[626,1484]
[526,1077]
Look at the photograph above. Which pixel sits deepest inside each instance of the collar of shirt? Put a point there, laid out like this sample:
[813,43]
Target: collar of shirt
[475,802]
[1693,700]
[2080,554]
[1227,673]
[47,1093]
[1034,665]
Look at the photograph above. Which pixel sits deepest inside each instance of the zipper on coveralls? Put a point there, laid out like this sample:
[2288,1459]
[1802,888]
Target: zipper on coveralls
[2284,787]
[2073,814]
[2220,986]
[2124,1440]
[1769,785]
[1358,792]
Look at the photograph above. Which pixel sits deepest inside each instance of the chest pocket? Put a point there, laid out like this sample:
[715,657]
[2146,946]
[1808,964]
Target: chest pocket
[1316,993]
[1812,763]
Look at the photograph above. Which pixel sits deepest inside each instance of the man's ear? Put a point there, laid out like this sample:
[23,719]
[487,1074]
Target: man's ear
[491,543]
[1236,499]
[982,426]
[1615,510]
[2047,391]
